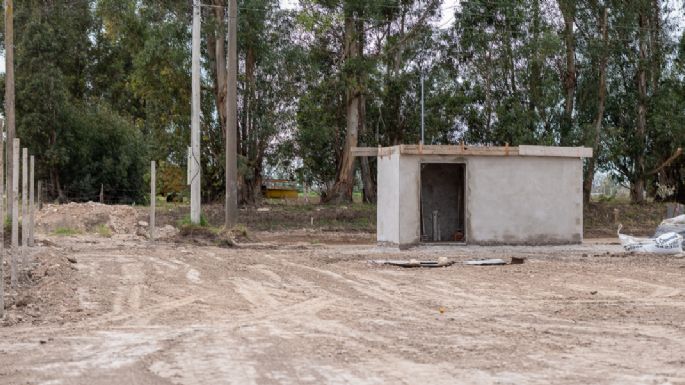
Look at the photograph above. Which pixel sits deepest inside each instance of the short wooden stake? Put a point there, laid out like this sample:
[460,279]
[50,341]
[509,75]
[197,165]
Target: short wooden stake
[40,195]
[15,213]
[102,193]
[32,199]
[153,198]
[190,160]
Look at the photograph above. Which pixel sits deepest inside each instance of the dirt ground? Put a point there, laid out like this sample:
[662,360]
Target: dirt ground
[306,307]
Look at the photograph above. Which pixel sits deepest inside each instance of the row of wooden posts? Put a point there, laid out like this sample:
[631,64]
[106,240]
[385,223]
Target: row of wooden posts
[28,209]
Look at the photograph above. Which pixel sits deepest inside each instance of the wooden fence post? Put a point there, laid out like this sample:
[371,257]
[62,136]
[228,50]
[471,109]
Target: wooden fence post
[32,199]
[40,195]
[153,198]
[24,208]
[15,212]
[2,222]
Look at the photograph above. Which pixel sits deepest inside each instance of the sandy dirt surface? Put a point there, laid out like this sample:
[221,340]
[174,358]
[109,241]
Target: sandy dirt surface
[313,313]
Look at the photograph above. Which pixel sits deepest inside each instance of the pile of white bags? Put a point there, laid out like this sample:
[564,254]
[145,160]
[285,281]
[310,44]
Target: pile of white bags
[666,243]
[671,225]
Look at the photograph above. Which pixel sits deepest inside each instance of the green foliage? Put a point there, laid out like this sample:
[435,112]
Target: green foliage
[320,119]
[67,231]
[186,222]
[170,179]
[102,86]
[104,231]
[104,149]
[79,141]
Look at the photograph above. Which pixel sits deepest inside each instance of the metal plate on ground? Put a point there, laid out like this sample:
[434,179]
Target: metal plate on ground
[486,262]
[412,263]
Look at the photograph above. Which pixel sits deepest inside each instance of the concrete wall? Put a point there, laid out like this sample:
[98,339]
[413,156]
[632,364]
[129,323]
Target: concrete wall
[388,208]
[410,213]
[509,200]
[524,200]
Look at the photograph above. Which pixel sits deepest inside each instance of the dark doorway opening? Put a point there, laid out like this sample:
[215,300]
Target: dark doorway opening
[442,202]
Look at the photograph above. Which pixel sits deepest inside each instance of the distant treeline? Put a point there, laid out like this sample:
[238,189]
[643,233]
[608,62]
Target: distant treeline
[103,86]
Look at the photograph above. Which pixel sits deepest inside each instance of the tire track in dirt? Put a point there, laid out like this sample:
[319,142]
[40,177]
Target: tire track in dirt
[325,316]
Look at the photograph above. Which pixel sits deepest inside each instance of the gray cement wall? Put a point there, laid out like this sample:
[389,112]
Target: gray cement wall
[388,207]
[525,200]
[509,200]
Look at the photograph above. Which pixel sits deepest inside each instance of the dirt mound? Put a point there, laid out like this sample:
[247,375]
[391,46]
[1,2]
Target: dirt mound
[86,217]
[48,292]
[205,236]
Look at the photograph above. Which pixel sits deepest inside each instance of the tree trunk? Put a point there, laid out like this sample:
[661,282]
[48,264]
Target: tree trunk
[568,10]
[601,99]
[535,79]
[249,191]
[342,189]
[637,189]
[369,187]
[9,97]
[217,57]
[655,45]
[488,91]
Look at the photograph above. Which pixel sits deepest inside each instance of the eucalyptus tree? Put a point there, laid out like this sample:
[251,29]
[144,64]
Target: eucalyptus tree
[351,44]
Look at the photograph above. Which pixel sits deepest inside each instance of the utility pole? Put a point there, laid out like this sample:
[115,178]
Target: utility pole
[232,117]
[9,96]
[195,189]
[2,222]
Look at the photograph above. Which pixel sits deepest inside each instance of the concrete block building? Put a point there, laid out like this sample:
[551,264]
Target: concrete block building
[479,195]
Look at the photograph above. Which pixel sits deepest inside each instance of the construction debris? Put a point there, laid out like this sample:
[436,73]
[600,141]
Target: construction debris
[486,262]
[441,262]
[87,217]
[667,243]
[517,260]
[671,225]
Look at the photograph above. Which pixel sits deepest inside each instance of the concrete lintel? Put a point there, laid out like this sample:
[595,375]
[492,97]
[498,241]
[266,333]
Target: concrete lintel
[412,149]
[565,152]
[463,150]
[372,151]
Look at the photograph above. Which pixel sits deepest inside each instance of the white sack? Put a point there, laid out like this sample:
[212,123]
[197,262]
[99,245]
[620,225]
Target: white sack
[668,243]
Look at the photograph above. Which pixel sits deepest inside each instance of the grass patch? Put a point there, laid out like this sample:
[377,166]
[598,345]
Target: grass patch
[66,231]
[601,219]
[205,235]
[240,230]
[104,231]
[186,222]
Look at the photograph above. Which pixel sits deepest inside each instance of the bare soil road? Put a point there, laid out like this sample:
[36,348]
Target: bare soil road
[317,313]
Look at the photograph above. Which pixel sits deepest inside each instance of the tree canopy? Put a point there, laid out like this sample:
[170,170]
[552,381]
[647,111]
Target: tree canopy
[103,86]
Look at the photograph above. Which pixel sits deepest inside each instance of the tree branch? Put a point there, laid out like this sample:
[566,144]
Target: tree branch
[431,7]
